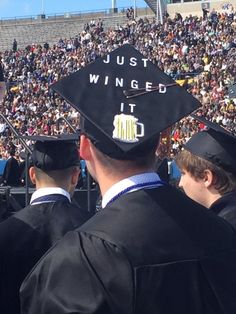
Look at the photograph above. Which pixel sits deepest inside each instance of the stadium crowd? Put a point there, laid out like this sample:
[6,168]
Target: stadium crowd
[199,52]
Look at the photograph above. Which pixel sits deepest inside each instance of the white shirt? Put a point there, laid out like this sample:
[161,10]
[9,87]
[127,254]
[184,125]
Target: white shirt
[145,178]
[48,191]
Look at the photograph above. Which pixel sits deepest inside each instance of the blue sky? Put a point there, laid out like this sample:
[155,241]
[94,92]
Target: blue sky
[17,8]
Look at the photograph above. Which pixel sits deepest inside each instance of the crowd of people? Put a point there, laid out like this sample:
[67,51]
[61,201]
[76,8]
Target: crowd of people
[200,52]
[142,251]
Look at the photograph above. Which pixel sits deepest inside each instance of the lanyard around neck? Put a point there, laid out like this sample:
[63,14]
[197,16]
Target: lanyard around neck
[138,186]
[49,199]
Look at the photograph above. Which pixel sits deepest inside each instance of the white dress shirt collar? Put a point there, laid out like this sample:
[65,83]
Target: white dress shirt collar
[48,191]
[133,181]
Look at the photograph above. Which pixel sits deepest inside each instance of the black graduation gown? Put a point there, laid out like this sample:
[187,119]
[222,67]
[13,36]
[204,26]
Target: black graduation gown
[11,174]
[149,252]
[162,169]
[24,238]
[225,207]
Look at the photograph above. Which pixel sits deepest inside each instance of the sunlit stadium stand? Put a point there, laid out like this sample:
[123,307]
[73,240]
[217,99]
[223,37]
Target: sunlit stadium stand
[49,28]
[186,7]
[207,73]
[40,30]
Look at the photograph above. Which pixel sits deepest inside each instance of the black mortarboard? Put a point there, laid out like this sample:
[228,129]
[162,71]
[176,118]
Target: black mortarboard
[54,152]
[126,101]
[214,144]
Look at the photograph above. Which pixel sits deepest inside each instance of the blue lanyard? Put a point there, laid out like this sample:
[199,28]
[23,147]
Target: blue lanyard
[137,186]
[49,198]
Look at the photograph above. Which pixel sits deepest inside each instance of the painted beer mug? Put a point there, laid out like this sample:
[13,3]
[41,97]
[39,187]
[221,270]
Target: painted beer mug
[126,128]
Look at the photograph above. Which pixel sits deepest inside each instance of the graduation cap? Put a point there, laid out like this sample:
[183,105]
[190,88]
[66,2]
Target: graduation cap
[125,102]
[54,152]
[2,84]
[214,144]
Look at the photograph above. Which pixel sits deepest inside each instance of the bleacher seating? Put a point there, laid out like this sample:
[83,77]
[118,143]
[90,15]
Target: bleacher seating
[29,31]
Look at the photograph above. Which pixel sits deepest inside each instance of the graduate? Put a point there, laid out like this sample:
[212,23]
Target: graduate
[208,166]
[150,249]
[29,233]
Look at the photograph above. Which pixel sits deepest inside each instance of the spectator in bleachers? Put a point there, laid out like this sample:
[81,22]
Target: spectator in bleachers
[14,45]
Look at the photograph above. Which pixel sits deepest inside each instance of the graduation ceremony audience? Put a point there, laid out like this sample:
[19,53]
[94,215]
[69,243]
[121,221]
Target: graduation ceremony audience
[198,52]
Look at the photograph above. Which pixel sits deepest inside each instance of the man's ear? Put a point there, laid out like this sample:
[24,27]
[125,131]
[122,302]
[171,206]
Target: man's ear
[32,175]
[84,148]
[208,178]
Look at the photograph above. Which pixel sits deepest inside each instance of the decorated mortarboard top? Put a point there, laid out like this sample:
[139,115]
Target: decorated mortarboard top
[125,101]
[214,144]
[54,152]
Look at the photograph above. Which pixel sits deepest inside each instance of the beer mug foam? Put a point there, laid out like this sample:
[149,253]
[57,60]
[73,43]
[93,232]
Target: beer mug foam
[126,128]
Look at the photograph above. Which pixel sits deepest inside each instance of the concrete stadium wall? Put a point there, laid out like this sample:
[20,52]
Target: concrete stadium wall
[195,8]
[29,31]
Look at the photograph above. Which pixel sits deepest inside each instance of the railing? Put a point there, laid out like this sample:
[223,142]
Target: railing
[65,15]
[68,122]
[16,133]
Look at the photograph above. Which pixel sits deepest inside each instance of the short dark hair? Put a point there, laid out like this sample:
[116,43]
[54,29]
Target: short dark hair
[12,151]
[56,175]
[144,161]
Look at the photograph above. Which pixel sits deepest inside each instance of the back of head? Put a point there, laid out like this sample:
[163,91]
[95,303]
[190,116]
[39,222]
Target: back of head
[60,178]
[56,162]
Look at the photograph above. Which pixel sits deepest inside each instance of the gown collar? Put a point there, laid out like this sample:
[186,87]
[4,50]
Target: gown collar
[40,193]
[145,180]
